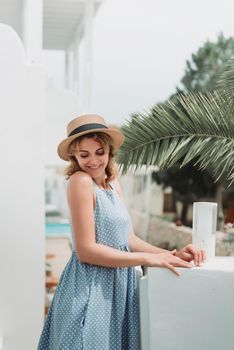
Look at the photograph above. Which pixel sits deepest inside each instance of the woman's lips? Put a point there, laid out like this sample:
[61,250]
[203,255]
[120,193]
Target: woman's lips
[92,168]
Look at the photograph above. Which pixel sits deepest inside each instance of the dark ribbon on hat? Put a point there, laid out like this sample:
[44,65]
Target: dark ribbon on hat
[87,127]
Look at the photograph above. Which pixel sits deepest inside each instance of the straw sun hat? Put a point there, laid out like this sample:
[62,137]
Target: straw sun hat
[85,124]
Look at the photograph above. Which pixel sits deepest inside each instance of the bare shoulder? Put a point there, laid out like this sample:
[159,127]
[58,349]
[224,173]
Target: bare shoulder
[80,178]
[80,187]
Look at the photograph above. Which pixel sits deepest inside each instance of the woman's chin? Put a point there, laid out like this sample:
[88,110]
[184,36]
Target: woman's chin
[99,172]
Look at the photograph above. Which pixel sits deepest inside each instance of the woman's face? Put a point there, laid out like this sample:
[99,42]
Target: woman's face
[92,157]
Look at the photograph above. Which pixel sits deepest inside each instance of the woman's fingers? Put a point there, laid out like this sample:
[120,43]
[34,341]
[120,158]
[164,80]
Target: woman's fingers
[171,261]
[200,257]
[187,256]
[179,263]
[189,253]
[172,268]
[175,261]
[195,253]
[167,260]
[184,264]
[203,255]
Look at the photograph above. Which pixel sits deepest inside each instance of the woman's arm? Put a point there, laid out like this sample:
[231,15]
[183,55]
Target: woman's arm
[188,253]
[80,200]
[137,244]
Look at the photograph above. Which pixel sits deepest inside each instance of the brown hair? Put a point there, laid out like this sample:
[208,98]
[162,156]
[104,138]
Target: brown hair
[106,142]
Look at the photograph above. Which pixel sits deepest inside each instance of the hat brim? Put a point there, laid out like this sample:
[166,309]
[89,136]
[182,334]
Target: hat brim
[117,137]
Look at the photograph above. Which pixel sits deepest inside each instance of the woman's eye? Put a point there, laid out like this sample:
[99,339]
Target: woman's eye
[98,153]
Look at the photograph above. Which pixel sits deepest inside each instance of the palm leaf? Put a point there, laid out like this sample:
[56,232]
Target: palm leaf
[195,127]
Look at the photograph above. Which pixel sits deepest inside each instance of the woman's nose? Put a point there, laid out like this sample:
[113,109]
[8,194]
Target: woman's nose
[93,160]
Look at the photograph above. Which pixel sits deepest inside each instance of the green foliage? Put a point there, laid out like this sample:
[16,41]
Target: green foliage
[187,183]
[197,128]
[192,130]
[206,65]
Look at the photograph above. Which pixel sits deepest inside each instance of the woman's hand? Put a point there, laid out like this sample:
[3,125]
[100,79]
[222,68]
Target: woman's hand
[189,253]
[167,260]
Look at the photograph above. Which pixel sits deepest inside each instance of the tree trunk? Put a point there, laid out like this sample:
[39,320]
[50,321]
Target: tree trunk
[184,213]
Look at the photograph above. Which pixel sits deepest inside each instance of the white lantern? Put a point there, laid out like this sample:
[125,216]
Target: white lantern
[204,227]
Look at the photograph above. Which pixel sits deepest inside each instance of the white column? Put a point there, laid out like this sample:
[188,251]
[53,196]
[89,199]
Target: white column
[76,68]
[66,76]
[32,29]
[204,227]
[68,83]
[72,59]
[88,20]
[22,247]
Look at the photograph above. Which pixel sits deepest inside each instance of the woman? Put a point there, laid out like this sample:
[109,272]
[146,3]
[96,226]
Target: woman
[95,305]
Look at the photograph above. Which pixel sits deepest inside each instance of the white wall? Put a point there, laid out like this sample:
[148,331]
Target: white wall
[192,311]
[22,247]
[61,106]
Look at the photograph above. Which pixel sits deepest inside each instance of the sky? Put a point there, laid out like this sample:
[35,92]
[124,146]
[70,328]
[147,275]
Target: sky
[140,48]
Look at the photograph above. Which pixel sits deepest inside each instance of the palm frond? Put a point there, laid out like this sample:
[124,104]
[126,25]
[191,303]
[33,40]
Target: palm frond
[195,127]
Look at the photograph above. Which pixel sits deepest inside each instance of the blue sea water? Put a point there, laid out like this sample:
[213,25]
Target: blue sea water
[57,230]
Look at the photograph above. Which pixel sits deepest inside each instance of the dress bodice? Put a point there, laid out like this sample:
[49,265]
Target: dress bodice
[111,217]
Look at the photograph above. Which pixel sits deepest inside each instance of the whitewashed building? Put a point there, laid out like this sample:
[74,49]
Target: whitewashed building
[33,114]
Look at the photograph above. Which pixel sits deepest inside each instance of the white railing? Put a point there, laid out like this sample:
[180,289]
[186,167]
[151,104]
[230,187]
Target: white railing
[195,310]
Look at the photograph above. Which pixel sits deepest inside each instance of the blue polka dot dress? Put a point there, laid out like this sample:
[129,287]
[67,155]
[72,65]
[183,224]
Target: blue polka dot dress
[96,307]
